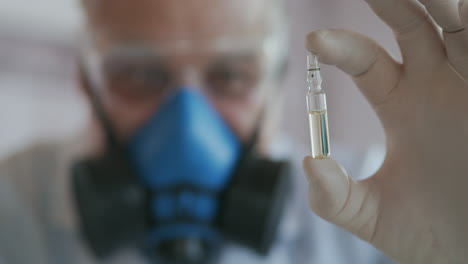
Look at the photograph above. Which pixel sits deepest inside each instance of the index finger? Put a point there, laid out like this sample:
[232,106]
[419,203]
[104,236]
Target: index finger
[417,36]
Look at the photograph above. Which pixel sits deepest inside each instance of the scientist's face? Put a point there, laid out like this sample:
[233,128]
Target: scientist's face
[151,48]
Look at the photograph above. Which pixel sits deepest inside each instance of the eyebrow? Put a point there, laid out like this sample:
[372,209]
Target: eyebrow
[132,52]
[220,44]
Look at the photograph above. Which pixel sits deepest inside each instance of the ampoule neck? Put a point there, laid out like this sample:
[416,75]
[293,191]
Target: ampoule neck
[315,89]
[314,78]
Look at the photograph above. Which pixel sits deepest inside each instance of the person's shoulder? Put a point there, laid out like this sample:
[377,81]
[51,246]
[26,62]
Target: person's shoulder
[46,151]
[21,169]
[24,155]
[27,169]
[29,155]
[19,193]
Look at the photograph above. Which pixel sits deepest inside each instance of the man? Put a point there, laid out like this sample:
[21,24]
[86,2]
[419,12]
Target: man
[184,92]
[166,79]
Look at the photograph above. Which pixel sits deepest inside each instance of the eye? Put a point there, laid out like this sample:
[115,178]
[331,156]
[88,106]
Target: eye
[233,79]
[137,81]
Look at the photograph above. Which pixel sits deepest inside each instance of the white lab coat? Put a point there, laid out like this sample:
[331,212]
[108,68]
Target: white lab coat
[38,222]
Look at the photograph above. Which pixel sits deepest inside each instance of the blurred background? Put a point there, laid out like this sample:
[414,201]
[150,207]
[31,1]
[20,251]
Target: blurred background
[39,98]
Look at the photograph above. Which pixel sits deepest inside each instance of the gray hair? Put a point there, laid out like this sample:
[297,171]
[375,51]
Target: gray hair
[276,39]
[279,37]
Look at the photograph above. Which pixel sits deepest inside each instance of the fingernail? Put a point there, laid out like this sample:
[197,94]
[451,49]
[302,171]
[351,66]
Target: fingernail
[307,161]
[310,172]
[317,40]
[461,3]
[311,165]
[310,39]
[317,173]
[322,166]
[310,48]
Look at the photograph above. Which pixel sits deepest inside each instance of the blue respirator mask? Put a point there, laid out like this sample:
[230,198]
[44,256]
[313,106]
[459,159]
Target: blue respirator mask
[179,187]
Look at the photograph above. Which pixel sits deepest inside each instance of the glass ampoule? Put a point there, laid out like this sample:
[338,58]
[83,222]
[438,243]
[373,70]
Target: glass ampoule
[317,110]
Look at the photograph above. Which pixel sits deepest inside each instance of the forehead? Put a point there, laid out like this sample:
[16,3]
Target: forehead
[164,21]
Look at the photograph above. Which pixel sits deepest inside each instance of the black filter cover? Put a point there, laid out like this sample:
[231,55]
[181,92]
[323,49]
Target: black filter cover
[252,206]
[190,250]
[111,203]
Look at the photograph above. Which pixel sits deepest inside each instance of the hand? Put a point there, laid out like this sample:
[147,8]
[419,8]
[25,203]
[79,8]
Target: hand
[415,208]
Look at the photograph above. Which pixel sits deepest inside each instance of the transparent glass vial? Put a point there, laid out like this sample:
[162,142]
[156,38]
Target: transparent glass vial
[317,111]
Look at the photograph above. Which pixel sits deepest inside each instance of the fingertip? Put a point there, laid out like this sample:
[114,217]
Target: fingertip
[462,9]
[347,50]
[314,39]
[317,42]
[328,185]
[306,164]
[306,159]
[313,166]
[323,166]
[461,3]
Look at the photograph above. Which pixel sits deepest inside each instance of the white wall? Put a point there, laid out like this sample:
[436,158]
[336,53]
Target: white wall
[56,19]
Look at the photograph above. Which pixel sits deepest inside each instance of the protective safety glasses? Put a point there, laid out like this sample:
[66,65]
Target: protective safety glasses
[230,68]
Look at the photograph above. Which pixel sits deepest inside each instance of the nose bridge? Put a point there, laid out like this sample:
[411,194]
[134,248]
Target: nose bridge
[189,72]
[190,77]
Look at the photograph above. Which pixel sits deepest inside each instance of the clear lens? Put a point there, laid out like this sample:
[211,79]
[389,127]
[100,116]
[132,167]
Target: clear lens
[136,79]
[233,77]
[230,71]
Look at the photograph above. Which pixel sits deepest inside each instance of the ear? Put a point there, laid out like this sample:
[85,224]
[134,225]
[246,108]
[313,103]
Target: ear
[272,119]
[282,70]
[99,113]
[83,81]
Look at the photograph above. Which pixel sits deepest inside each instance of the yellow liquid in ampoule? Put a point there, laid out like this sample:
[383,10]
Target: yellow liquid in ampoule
[319,143]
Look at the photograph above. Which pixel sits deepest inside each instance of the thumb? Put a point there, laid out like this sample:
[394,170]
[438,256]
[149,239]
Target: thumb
[339,199]
[374,71]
